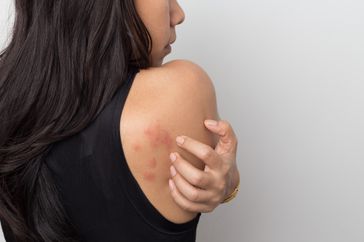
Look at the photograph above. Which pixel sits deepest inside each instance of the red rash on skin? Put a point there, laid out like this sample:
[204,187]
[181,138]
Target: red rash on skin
[149,176]
[158,136]
[136,147]
[152,163]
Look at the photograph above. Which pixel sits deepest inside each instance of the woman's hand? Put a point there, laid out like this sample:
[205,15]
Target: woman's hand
[202,191]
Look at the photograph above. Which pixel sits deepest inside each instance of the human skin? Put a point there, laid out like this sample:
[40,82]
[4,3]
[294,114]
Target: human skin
[161,18]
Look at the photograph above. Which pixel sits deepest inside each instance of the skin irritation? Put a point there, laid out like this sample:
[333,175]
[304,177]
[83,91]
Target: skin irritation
[137,147]
[158,138]
[149,176]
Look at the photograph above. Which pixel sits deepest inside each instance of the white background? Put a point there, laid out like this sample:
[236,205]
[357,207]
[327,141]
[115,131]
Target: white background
[289,76]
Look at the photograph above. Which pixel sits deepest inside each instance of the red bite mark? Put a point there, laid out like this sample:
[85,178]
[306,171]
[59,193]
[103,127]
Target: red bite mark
[152,163]
[149,176]
[137,147]
[158,136]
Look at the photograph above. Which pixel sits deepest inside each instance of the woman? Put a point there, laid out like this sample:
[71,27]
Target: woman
[90,120]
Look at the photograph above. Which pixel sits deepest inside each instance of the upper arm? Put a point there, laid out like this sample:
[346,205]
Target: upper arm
[184,98]
[191,101]
[169,101]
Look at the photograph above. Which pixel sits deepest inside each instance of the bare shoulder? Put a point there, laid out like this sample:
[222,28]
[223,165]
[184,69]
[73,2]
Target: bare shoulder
[183,70]
[182,78]
[179,91]
[186,69]
[165,102]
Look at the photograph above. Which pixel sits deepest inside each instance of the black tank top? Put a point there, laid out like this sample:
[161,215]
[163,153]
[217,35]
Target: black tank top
[98,190]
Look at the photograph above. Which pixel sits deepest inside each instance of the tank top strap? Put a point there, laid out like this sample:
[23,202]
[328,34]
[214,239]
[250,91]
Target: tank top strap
[123,90]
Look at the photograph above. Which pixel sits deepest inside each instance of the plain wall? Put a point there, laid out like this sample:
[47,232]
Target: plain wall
[289,76]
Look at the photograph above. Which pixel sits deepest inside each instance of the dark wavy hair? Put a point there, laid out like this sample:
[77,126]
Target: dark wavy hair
[65,61]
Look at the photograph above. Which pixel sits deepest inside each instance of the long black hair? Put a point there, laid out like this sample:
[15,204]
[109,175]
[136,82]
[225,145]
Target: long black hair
[65,61]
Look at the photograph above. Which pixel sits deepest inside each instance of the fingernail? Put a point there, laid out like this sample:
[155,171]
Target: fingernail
[210,122]
[171,186]
[173,157]
[180,140]
[173,171]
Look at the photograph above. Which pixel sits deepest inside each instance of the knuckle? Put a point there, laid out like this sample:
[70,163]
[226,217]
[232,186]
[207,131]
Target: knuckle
[198,179]
[207,154]
[194,196]
[183,206]
[215,200]
[185,139]
[221,186]
[214,197]
[225,124]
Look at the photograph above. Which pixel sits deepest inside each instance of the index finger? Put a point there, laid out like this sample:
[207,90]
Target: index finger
[227,140]
[200,150]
